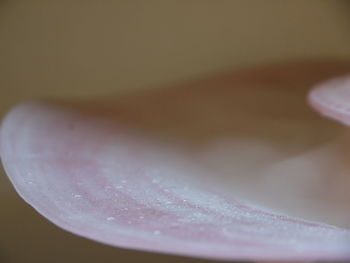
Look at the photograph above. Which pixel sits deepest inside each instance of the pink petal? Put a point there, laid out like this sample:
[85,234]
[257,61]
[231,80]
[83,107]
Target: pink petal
[332,99]
[139,174]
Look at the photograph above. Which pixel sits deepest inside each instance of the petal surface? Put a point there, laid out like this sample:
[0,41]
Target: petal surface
[233,167]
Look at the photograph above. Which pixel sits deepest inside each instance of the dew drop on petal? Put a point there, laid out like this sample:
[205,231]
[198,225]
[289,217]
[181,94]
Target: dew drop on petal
[155,181]
[156,232]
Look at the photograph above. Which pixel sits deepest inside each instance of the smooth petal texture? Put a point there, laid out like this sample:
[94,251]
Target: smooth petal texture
[332,99]
[169,170]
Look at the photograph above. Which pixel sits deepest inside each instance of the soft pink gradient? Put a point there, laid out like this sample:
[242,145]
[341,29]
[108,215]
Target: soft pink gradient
[214,169]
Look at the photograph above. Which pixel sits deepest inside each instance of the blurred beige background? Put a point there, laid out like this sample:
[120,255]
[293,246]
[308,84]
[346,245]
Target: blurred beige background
[84,48]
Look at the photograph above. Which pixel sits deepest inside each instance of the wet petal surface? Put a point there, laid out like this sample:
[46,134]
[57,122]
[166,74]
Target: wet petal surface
[233,167]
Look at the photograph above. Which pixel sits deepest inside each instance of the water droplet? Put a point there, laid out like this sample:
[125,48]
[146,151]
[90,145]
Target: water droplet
[77,196]
[119,187]
[110,218]
[30,182]
[155,181]
[156,232]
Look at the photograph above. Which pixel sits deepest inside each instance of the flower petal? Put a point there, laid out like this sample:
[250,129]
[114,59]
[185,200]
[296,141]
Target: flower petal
[138,174]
